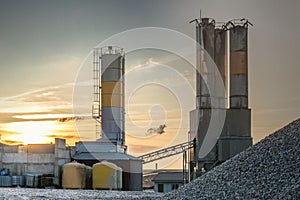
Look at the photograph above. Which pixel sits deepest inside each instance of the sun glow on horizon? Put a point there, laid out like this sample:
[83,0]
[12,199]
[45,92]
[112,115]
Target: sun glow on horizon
[31,132]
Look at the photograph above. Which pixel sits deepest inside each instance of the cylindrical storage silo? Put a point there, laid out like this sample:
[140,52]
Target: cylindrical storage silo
[112,94]
[205,54]
[220,61]
[74,176]
[239,67]
[107,175]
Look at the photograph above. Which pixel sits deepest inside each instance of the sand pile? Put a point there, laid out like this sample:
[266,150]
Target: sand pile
[268,170]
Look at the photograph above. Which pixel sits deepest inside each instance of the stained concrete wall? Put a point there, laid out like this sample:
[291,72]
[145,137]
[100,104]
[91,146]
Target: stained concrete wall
[36,159]
[24,163]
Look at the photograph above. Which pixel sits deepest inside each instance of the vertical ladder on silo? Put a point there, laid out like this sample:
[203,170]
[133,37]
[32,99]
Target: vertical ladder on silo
[96,110]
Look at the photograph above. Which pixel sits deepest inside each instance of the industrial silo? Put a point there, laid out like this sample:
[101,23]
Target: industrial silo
[236,132]
[220,59]
[220,52]
[200,117]
[108,111]
[205,33]
[112,94]
[239,67]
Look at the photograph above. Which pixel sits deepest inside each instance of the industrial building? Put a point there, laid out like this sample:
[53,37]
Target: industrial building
[223,44]
[32,160]
[167,181]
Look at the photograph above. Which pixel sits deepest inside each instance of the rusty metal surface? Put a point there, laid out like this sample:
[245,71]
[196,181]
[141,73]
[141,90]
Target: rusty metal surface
[239,67]
[220,52]
[206,38]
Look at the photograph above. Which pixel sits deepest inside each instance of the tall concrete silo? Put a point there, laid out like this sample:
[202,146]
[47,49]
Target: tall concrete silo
[220,59]
[220,52]
[238,67]
[112,94]
[200,117]
[205,37]
[236,133]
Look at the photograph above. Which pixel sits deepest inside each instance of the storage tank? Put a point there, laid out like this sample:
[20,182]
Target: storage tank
[5,181]
[205,35]
[239,67]
[220,61]
[74,176]
[107,175]
[17,180]
[112,94]
[220,51]
[30,180]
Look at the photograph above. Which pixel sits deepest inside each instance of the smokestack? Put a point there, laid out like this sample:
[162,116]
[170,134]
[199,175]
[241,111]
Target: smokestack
[112,94]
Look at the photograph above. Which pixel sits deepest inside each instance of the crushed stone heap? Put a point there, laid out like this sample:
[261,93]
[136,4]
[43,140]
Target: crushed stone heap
[268,170]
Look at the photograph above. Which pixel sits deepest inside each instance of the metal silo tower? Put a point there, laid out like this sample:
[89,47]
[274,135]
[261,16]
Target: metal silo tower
[108,107]
[228,42]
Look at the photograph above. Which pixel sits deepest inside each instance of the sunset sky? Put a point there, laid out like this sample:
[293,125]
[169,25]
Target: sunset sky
[43,45]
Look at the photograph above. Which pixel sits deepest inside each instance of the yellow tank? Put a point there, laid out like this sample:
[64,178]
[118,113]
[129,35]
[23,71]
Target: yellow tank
[74,176]
[107,175]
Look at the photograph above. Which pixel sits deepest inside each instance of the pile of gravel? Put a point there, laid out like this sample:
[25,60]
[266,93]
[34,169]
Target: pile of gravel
[268,170]
[60,194]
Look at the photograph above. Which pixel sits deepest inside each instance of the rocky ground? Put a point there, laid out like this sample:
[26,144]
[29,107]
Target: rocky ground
[32,194]
[268,170]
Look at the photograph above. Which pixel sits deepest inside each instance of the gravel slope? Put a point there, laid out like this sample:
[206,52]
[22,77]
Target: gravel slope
[34,194]
[268,170]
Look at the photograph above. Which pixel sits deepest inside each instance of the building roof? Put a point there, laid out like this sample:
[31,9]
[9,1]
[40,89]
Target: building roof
[103,156]
[176,176]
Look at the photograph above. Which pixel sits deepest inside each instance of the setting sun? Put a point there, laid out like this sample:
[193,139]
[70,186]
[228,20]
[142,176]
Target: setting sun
[31,132]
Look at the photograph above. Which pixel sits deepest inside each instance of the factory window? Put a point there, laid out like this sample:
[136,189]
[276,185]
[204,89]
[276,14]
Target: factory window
[160,187]
[175,186]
